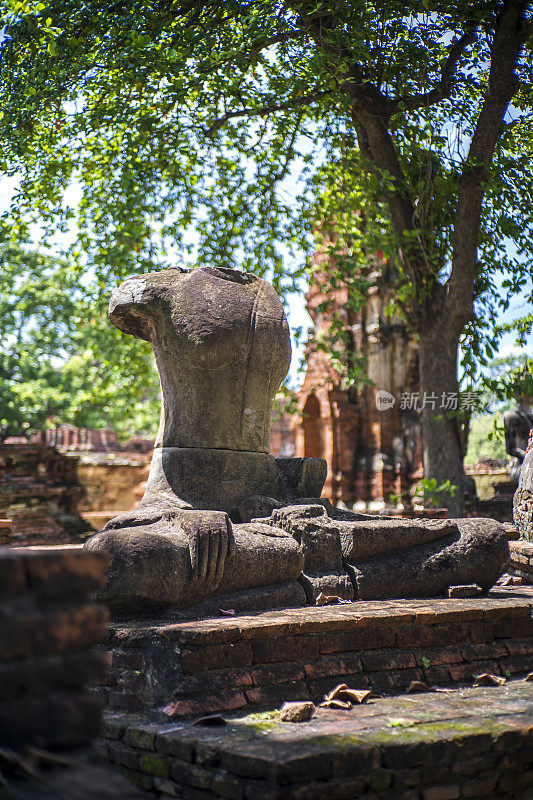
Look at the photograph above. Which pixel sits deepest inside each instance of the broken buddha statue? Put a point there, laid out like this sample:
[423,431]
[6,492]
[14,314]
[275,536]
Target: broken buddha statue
[223,521]
[222,348]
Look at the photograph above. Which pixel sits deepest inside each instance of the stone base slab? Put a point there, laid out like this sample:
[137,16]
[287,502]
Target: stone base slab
[472,743]
[170,669]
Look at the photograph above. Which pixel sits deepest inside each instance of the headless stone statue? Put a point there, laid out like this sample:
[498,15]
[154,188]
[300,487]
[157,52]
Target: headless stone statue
[517,424]
[224,522]
[222,348]
[523,497]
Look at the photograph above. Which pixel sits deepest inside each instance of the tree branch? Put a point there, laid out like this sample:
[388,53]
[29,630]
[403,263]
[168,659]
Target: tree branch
[370,116]
[443,90]
[511,32]
[264,111]
[280,37]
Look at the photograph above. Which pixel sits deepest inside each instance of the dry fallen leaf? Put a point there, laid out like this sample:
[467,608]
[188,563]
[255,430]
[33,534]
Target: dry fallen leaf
[335,704]
[486,679]
[335,692]
[529,676]
[342,693]
[329,600]
[356,695]
[417,686]
[210,720]
[511,580]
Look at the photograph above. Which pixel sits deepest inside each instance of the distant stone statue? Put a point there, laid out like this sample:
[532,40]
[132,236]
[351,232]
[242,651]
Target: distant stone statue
[517,424]
[221,518]
[523,497]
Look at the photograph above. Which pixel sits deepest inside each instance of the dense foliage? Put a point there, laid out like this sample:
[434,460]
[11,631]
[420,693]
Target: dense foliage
[60,359]
[184,124]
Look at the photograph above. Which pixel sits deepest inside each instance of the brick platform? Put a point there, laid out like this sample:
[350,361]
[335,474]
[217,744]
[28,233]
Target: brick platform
[473,743]
[195,667]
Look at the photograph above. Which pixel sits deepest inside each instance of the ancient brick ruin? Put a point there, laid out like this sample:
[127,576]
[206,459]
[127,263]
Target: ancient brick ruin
[48,629]
[66,481]
[370,453]
[39,493]
[103,440]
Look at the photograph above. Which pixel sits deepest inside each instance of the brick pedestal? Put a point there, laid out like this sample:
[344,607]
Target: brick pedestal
[177,669]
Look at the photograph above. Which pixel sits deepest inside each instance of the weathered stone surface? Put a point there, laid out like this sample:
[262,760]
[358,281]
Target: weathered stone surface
[469,590]
[321,549]
[221,343]
[222,347]
[523,499]
[182,559]
[475,553]
[388,558]
[377,537]
[200,477]
[257,507]
[297,712]
[470,743]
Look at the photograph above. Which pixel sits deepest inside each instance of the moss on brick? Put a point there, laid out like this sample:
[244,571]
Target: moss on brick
[263,721]
[155,765]
[138,737]
[139,779]
[380,779]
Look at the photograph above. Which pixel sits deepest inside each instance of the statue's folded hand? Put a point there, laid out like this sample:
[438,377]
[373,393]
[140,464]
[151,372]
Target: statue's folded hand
[211,543]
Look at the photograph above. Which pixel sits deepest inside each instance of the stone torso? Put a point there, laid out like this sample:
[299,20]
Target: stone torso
[222,348]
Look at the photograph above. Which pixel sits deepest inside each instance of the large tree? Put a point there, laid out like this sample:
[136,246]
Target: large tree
[190,115]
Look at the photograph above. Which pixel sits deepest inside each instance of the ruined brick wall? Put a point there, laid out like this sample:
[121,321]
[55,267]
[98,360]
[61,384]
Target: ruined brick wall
[48,627]
[68,437]
[67,481]
[109,486]
[39,492]
[370,453]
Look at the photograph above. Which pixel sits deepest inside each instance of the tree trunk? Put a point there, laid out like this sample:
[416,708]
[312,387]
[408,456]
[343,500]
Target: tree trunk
[443,458]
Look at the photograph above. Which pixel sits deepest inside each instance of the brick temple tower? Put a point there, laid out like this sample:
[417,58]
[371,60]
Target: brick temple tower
[370,453]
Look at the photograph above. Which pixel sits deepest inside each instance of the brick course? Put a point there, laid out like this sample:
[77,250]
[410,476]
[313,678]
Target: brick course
[48,629]
[429,748]
[214,665]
